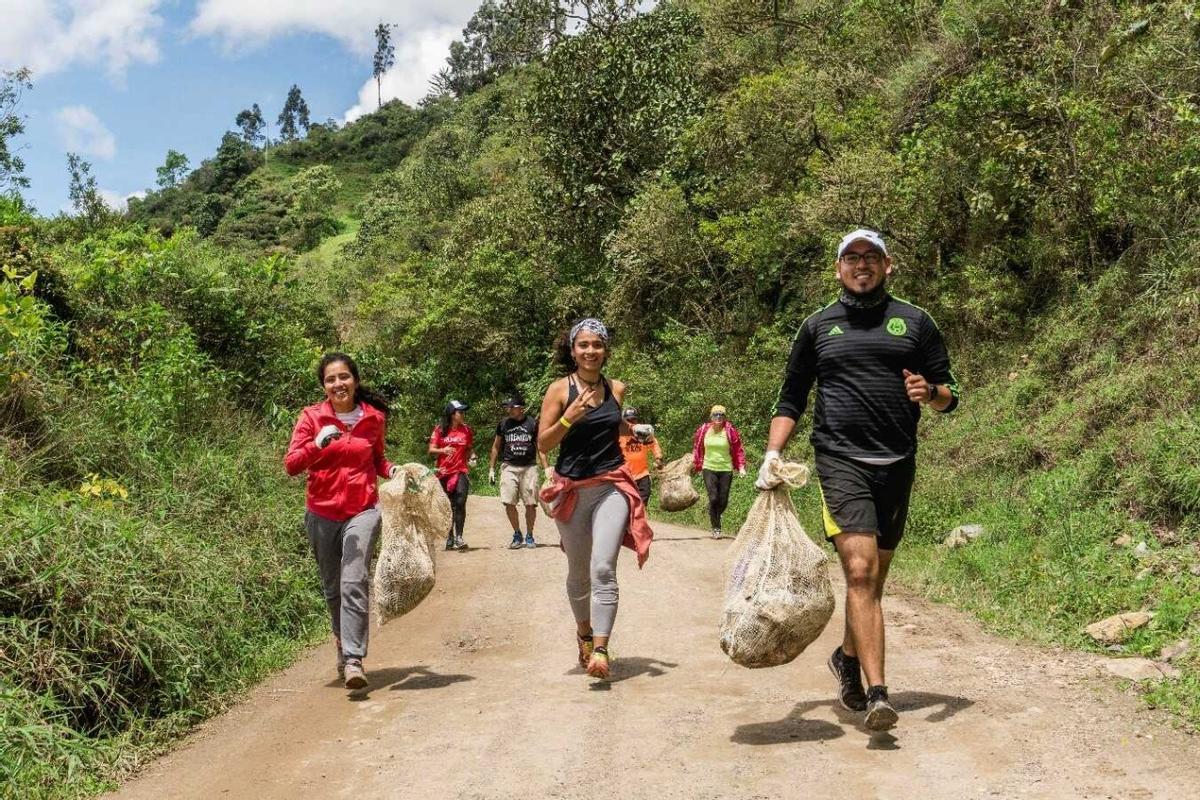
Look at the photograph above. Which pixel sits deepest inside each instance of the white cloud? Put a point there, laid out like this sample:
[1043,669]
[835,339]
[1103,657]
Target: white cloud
[241,23]
[115,200]
[81,131]
[52,35]
[417,59]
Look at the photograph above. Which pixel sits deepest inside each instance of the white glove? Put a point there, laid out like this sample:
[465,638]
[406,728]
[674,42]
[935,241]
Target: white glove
[765,479]
[492,475]
[326,435]
[394,471]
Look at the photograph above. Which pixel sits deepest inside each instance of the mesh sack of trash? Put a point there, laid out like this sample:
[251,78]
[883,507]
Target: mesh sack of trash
[778,597]
[416,513]
[675,490]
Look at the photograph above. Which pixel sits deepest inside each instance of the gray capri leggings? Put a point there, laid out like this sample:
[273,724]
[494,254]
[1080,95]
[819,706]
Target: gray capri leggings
[592,541]
[343,552]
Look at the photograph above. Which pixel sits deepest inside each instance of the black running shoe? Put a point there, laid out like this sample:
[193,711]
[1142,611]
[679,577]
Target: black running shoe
[880,714]
[450,542]
[849,677]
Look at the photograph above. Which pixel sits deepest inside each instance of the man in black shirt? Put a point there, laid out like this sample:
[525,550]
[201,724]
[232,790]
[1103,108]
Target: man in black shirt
[876,360]
[516,445]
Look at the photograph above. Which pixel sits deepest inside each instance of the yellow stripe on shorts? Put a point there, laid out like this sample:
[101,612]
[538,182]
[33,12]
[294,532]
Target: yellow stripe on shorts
[831,527]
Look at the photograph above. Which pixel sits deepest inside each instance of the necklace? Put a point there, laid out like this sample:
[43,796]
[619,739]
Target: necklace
[586,382]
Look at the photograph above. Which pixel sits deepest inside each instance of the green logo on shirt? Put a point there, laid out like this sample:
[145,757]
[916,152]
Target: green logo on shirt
[836,330]
[897,327]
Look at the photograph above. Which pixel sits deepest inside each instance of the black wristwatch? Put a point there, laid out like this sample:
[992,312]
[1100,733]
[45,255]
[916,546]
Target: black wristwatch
[933,392]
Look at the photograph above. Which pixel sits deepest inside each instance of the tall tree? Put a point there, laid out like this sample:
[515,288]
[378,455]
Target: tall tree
[251,122]
[82,190]
[385,57]
[235,159]
[505,34]
[294,115]
[12,124]
[173,169]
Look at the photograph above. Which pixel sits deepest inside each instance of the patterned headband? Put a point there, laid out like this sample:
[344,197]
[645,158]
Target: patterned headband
[591,325]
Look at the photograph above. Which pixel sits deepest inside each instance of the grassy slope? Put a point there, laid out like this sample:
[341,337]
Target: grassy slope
[112,602]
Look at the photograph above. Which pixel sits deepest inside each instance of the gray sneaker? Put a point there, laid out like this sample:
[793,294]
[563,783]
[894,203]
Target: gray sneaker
[459,543]
[356,678]
[716,533]
[880,714]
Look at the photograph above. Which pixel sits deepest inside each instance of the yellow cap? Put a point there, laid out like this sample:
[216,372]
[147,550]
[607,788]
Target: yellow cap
[717,410]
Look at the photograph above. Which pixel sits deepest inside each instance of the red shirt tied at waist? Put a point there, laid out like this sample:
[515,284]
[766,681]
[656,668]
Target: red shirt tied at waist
[341,477]
[562,494]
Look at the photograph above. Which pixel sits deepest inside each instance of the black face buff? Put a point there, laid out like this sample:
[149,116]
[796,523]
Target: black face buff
[871,299]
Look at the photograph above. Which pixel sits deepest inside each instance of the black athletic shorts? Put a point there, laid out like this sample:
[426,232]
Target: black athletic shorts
[864,498]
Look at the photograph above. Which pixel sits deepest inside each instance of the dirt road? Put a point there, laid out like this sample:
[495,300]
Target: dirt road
[475,695]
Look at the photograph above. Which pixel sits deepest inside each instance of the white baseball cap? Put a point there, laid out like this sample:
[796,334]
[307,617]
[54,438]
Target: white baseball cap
[862,235]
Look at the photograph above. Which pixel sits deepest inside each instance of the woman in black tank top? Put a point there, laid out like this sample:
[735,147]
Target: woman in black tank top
[592,445]
[581,416]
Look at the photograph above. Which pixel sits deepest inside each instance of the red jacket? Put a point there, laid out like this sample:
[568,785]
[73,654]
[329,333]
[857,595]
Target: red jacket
[341,478]
[563,493]
[736,451]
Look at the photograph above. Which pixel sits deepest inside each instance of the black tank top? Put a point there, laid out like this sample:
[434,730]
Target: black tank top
[592,445]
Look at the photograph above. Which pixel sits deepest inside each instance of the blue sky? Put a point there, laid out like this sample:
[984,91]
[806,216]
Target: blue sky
[123,81]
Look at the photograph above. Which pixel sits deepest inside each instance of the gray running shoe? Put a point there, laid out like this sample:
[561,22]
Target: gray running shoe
[459,543]
[356,678]
[880,714]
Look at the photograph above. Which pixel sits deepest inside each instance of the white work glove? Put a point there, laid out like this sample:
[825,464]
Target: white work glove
[326,435]
[765,479]
[492,475]
[394,471]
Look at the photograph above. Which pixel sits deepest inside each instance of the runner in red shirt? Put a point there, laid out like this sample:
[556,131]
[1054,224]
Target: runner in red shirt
[451,442]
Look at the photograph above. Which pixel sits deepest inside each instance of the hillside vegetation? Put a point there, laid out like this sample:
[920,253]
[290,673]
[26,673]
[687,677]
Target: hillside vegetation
[684,174]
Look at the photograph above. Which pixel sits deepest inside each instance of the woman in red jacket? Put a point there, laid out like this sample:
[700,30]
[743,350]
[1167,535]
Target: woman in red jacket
[339,442]
[716,453]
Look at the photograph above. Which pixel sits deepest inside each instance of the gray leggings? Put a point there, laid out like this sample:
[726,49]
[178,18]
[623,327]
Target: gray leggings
[592,541]
[343,551]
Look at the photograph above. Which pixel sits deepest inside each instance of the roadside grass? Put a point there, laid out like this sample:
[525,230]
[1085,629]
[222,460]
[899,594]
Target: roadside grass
[126,620]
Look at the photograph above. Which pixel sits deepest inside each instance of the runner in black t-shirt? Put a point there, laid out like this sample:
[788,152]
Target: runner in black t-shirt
[516,445]
[876,360]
